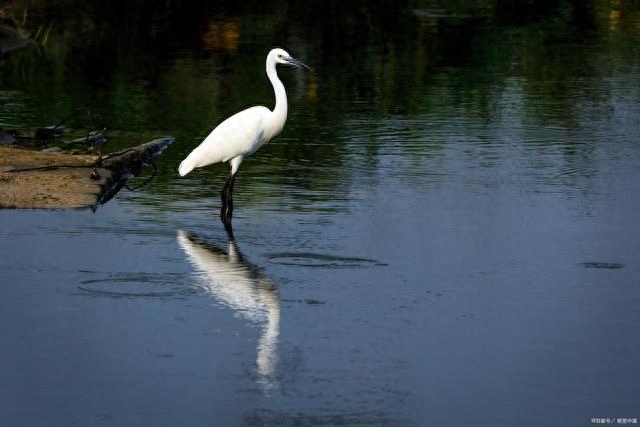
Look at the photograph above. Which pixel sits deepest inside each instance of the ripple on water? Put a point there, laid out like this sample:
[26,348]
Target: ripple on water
[308,259]
[603,265]
[147,285]
[273,417]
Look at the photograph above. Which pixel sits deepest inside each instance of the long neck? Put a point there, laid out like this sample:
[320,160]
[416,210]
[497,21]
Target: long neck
[279,114]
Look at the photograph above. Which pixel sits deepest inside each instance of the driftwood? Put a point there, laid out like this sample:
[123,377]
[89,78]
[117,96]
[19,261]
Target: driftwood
[38,180]
[38,137]
[30,137]
[91,141]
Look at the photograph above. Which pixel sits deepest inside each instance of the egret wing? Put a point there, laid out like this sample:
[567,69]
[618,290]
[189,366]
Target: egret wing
[239,135]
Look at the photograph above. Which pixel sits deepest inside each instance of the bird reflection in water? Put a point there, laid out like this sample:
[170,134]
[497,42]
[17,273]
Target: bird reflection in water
[239,285]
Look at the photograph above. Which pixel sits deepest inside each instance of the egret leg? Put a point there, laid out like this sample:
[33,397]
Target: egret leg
[226,211]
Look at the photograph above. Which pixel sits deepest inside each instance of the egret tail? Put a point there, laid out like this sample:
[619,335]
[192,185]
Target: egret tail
[186,166]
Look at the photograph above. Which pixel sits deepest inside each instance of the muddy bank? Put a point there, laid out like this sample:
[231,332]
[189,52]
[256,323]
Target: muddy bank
[40,180]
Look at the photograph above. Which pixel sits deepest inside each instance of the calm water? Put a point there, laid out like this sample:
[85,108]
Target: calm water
[445,233]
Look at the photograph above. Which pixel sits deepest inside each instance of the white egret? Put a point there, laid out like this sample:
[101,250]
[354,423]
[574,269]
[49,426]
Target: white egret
[242,134]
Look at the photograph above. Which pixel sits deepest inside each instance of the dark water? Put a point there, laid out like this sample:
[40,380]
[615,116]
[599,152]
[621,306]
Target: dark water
[445,233]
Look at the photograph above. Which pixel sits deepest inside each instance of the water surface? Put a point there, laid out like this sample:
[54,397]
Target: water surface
[444,234]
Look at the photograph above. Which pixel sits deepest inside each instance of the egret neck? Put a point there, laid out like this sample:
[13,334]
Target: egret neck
[275,122]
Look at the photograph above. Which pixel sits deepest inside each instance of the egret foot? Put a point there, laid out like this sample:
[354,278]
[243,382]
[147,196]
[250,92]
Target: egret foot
[229,229]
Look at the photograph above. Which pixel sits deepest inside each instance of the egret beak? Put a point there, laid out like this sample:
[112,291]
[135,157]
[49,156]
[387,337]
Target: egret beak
[298,64]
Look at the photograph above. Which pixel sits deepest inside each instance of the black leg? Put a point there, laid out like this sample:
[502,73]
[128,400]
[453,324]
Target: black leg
[226,211]
[229,229]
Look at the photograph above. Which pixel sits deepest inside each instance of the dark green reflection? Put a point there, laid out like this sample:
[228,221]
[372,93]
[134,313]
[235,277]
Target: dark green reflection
[150,68]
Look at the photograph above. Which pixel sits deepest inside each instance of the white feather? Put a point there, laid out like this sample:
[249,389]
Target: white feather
[238,136]
[243,133]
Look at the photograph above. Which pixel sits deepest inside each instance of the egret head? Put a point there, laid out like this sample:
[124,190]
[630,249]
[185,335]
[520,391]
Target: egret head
[280,56]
